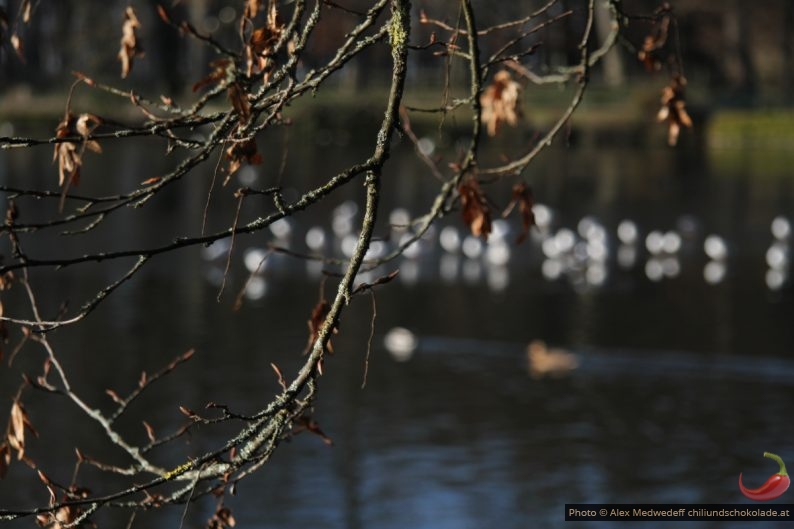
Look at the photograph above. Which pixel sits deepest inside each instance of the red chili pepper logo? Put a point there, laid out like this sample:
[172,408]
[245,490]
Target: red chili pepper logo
[774,487]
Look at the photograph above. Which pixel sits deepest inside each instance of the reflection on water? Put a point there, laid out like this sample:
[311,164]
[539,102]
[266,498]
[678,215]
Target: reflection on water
[669,285]
[585,257]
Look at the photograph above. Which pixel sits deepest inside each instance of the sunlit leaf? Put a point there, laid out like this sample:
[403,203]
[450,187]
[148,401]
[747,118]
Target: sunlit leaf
[68,154]
[18,424]
[26,9]
[130,46]
[252,7]
[260,45]
[501,102]
[19,48]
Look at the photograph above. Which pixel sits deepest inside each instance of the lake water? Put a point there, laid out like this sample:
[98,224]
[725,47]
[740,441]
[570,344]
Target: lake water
[686,370]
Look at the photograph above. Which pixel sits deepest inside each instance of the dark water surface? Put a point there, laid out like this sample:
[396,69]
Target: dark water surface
[684,382]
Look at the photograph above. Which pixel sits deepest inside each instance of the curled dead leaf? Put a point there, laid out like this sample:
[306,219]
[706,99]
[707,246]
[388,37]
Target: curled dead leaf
[130,47]
[69,154]
[240,103]
[260,46]
[239,152]
[18,424]
[252,7]
[475,208]
[501,103]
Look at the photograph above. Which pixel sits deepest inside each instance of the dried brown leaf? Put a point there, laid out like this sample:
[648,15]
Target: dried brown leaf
[239,152]
[306,423]
[240,102]
[260,45]
[315,323]
[475,208]
[86,124]
[652,45]
[19,422]
[501,103]
[26,9]
[382,280]
[130,46]
[65,516]
[221,69]
[19,47]
[69,154]
[221,519]
[522,197]
[252,7]
[673,109]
